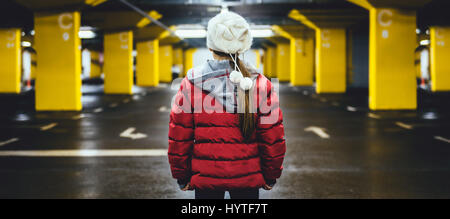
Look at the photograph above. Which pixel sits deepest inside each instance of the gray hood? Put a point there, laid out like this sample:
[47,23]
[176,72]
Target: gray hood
[213,78]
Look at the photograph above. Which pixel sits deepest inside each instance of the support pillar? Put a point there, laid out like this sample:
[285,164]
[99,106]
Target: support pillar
[178,59]
[58,74]
[188,59]
[165,63]
[118,66]
[147,63]
[96,67]
[10,60]
[283,51]
[302,61]
[331,62]
[440,55]
[392,81]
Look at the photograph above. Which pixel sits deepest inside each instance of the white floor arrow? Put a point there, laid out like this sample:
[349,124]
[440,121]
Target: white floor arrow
[128,133]
[318,131]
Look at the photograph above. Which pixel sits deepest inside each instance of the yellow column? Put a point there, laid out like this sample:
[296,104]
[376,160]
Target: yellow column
[147,63]
[58,74]
[273,55]
[165,63]
[269,62]
[266,62]
[10,60]
[178,58]
[440,56]
[96,68]
[392,83]
[258,58]
[302,61]
[189,59]
[283,61]
[118,64]
[331,64]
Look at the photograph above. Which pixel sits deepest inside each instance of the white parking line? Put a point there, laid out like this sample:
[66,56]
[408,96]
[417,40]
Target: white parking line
[49,126]
[98,110]
[8,141]
[77,117]
[351,109]
[442,139]
[318,131]
[373,116]
[164,109]
[87,153]
[403,125]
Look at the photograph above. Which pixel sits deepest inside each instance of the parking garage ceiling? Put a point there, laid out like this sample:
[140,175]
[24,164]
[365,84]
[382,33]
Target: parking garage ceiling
[113,15]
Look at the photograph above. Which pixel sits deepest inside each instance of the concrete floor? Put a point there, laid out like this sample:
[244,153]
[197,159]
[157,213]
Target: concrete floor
[398,154]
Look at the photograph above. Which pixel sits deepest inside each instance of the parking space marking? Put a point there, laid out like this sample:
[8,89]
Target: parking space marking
[442,139]
[49,126]
[164,109]
[318,131]
[87,153]
[351,109]
[98,110]
[8,141]
[404,125]
[373,116]
[77,117]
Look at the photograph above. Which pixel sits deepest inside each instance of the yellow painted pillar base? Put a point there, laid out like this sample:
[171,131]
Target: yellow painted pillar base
[58,74]
[331,60]
[10,60]
[188,61]
[118,63]
[440,56]
[283,62]
[165,63]
[96,68]
[392,81]
[147,63]
[302,61]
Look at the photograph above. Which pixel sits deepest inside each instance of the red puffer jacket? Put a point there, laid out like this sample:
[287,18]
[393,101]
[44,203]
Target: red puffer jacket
[209,149]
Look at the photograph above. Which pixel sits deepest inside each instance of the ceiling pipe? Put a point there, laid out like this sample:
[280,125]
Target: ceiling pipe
[138,10]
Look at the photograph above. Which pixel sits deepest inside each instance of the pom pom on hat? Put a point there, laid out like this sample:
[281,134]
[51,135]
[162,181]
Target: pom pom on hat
[246,83]
[236,77]
[229,32]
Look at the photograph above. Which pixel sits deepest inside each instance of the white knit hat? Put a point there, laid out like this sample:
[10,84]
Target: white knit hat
[229,32]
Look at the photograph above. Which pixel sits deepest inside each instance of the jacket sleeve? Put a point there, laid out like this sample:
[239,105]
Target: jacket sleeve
[181,133]
[270,130]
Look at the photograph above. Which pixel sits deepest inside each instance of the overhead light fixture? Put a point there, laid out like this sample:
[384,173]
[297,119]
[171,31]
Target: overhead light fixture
[194,33]
[26,44]
[261,31]
[190,31]
[87,32]
[425,42]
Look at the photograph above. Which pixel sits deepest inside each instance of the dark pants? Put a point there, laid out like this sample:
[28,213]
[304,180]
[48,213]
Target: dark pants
[234,194]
